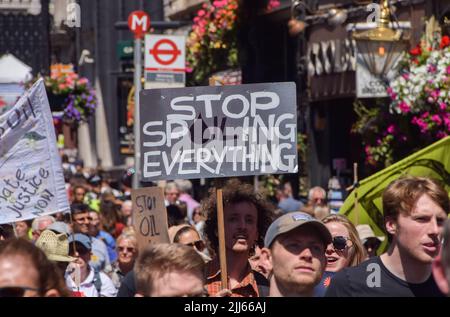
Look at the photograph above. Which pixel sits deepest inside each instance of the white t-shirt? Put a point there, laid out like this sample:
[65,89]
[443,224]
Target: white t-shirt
[87,287]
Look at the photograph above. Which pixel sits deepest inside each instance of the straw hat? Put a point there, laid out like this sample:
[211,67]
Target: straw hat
[174,230]
[365,232]
[55,246]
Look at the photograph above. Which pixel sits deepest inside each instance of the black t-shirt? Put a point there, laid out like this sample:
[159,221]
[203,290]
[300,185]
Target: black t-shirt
[127,287]
[372,279]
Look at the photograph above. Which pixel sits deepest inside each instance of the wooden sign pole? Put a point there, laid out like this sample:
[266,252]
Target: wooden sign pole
[221,232]
[220,220]
[355,185]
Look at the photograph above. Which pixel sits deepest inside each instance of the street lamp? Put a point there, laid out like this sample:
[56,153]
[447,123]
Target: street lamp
[381,46]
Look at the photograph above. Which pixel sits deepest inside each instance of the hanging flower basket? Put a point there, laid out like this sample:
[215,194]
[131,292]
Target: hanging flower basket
[71,94]
[419,112]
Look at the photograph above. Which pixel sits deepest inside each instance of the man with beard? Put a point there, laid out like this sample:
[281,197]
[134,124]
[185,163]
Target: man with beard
[294,252]
[247,216]
[415,209]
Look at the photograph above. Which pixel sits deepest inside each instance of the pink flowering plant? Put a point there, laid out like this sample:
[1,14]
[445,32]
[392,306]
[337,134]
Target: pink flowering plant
[73,94]
[419,112]
[212,44]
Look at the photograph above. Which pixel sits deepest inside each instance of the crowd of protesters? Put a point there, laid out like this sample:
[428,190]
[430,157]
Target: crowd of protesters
[290,248]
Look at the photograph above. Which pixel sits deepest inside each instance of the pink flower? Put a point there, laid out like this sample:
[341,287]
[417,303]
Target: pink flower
[430,99]
[189,69]
[448,69]
[220,4]
[201,13]
[436,119]
[391,129]
[62,86]
[405,76]
[421,124]
[83,81]
[442,105]
[425,115]
[441,134]
[435,93]
[404,107]
[447,121]
[431,68]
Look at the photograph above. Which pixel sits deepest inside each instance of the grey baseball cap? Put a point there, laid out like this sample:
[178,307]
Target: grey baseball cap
[293,220]
[81,238]
[60,227]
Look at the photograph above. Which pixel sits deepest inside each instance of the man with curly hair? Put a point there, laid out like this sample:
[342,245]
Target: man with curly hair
[247,215]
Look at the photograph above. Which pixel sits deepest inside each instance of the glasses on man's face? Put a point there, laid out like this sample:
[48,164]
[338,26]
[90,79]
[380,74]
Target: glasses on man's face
[124,249]
[15,291]
[199,245]
[340,243]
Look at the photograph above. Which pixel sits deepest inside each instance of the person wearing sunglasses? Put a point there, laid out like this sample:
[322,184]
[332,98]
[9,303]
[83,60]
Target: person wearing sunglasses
[414,210]
[25,271]
[344,250]
[127,253]
[368,238]
[187,235]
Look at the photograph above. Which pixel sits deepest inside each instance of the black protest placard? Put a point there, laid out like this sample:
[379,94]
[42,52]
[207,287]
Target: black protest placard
[203,132]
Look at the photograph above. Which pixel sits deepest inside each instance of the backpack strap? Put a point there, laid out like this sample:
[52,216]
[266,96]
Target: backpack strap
[97,282]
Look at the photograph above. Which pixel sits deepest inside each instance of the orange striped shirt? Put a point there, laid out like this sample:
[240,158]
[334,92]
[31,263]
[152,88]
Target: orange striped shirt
[246,288]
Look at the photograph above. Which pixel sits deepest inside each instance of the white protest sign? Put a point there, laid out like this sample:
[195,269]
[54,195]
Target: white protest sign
[218,131]
[31,176]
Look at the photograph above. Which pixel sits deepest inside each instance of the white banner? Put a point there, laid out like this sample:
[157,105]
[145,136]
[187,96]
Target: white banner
[31,177]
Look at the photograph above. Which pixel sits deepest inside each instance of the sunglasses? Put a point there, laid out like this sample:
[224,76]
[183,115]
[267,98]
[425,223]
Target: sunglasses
[340,243]
[199,245]
[130,250]
[15,291]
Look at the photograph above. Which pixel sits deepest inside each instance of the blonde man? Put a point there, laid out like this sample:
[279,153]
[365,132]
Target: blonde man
[169,270]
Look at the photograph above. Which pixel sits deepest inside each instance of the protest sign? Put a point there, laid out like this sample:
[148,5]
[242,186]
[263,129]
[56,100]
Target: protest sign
[202,132]
[149,216]
[31,176]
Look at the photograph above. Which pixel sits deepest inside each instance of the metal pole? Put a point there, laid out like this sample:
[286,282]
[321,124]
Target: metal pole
[137,85]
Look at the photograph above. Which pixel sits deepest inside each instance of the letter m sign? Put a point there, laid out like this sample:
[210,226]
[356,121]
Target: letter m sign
[139,23]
